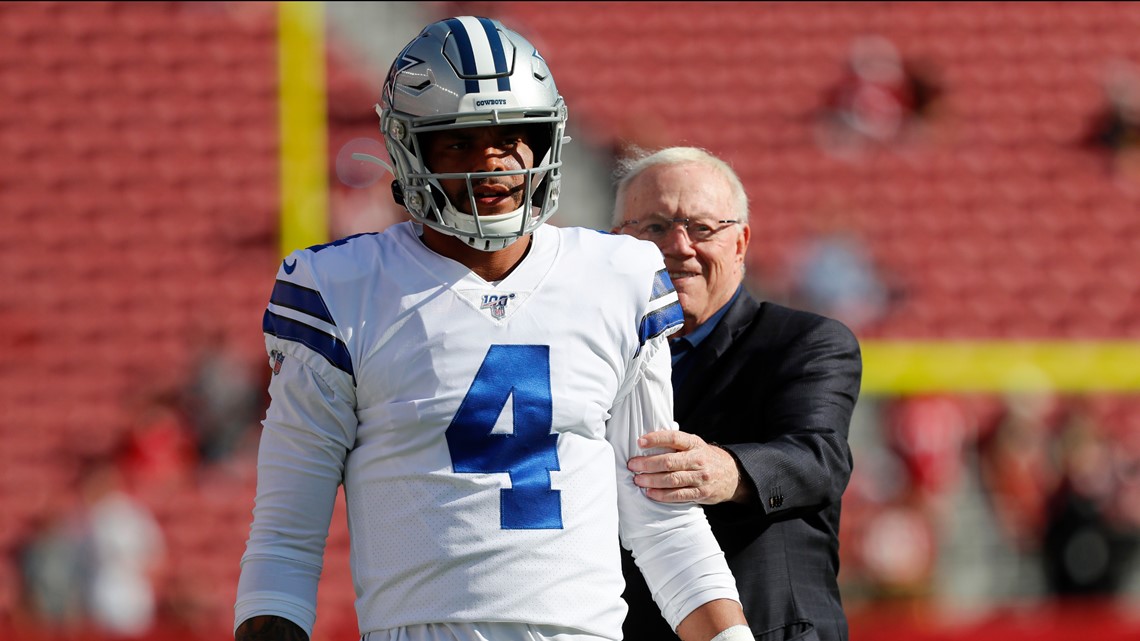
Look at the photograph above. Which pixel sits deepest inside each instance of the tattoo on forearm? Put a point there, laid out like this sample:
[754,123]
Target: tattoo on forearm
[269,628]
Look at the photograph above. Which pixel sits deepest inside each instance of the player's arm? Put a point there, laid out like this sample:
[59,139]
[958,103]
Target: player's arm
[720,620]
[672,544]
[308,429]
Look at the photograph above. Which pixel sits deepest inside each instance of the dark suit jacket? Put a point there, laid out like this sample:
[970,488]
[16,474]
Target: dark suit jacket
[775,387]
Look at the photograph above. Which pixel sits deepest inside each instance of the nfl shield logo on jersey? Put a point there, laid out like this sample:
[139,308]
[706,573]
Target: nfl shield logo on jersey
[276,358]
[497,304]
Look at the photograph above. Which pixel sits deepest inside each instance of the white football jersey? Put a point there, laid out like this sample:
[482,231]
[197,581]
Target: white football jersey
[481,431]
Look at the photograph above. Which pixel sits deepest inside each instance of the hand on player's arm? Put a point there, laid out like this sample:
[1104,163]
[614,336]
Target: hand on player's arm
[269,628]
[690,471]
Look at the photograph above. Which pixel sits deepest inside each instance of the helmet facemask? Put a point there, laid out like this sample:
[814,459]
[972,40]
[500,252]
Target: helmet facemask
[426,200]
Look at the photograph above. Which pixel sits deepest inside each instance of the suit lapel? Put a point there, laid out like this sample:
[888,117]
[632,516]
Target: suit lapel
[706,374]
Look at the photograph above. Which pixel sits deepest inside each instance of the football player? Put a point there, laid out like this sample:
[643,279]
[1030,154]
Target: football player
[476,379]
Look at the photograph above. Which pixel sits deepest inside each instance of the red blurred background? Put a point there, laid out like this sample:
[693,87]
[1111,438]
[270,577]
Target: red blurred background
[934,171]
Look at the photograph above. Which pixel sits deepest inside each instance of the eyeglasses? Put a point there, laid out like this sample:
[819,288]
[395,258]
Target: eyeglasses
[697,231]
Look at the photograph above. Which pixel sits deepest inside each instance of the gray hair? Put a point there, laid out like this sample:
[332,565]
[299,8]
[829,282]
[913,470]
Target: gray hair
[635,164]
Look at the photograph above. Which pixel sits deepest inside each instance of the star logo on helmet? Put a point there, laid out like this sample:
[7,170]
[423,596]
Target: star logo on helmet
[406,61]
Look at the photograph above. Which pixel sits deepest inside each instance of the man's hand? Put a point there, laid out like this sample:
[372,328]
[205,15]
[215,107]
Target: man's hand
[690,470]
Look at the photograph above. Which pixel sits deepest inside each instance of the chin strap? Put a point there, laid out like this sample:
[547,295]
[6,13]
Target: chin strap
[483,244]
[470,236]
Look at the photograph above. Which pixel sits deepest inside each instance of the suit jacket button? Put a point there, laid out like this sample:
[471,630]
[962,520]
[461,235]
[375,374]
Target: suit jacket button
[775,501]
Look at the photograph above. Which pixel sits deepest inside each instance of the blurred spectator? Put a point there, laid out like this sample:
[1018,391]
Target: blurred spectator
[898,550]
[928,433]
[898,542]
[1116,127]
[124,550]
[90,571]
[1086,551]
[52,576]
[834,274]
[157,453]
[1015,468]
[1125,506]
[222,400]
[835,277]
[880,99]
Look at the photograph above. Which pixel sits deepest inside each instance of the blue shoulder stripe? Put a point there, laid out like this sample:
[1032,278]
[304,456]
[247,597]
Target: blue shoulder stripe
[662,285]
[302,299]
[332,348]
[658,321]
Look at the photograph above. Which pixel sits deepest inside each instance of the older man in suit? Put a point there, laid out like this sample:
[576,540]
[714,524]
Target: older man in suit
[763,396]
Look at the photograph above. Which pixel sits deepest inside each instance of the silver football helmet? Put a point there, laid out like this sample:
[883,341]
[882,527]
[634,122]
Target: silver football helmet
[471,72]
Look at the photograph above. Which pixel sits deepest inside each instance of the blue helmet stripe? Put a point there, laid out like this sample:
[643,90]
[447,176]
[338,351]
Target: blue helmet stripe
[497,53]
[466,54]
[330,347]
[658,321]
[662,285]
[302,299]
